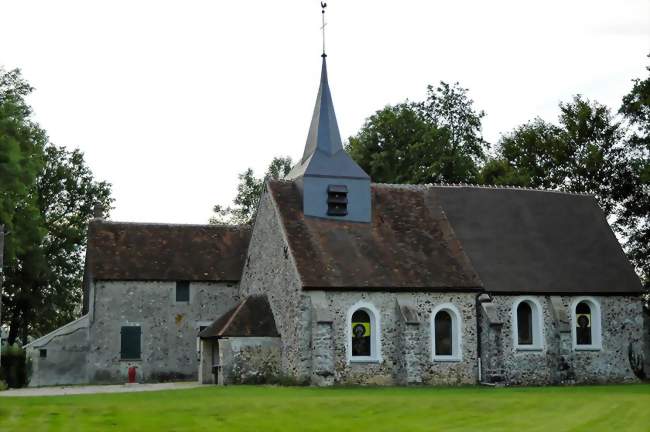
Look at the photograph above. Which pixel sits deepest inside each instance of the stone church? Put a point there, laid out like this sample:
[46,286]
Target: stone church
[344,281]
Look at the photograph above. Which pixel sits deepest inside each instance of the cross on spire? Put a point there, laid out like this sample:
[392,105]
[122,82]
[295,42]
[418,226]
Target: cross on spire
[323,6]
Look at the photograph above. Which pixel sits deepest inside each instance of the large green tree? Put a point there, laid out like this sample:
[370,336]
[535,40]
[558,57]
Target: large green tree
[435,140]
[46,213]
[634,217]
[43,289]
[248,195]
[21,152]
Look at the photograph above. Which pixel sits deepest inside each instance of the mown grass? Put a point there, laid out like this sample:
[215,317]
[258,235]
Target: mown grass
[598,408]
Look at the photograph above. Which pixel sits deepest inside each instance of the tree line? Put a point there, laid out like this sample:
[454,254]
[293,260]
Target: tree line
[590,148]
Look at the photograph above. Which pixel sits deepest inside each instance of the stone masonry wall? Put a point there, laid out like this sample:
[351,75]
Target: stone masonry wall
[250,360]
[406,349]
[169,329]
[270,270]
[66,355]
[621,325]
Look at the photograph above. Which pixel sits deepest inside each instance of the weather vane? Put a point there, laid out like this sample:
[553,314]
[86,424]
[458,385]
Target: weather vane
[323,5]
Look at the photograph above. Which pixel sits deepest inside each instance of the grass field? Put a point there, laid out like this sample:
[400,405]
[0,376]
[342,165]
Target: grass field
[606,408]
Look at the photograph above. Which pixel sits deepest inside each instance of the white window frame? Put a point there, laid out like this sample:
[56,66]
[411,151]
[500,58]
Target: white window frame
[537,321]
[456,334]
[596,326]
[375,333]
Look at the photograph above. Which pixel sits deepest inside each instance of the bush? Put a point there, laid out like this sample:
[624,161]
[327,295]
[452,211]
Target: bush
[14,368]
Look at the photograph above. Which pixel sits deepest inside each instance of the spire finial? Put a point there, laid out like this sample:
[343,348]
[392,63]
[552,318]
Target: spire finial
[323,6]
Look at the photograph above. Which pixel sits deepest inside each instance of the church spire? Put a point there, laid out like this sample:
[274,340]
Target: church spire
[324,132]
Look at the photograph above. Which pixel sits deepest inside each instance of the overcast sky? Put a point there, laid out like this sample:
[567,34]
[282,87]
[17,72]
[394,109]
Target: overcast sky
[170,100]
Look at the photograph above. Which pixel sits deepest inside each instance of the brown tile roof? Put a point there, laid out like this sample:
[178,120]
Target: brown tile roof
[252,317]
[408,244]
[161,252]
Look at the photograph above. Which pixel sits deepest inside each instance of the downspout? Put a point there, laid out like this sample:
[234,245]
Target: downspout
[478,337]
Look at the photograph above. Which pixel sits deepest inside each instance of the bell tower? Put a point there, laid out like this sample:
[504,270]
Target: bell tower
[333,186]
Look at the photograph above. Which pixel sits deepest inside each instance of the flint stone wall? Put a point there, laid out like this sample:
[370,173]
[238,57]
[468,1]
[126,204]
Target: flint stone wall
[557,362]
[66,351]
[406,349]
[250,360]
[270,270]
[169,349]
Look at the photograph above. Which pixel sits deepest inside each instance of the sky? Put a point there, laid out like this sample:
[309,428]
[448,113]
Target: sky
[170,100]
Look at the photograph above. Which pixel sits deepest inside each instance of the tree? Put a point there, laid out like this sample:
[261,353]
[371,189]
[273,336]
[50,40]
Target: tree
[582,153]
[21,150]
[67,196]
[635,214]
[248,195]
[527,156]
[436,140]
[449,107]
[46,200]
[44,289]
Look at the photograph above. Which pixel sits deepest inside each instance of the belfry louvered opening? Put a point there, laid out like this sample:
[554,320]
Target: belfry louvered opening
[337,200]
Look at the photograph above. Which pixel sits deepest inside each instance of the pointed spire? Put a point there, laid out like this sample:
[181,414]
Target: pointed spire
[324,132]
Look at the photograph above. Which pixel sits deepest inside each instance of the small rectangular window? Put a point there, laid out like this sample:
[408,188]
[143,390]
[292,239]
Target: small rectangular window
[130,343]
[183,291]
[337,200]
[42,353]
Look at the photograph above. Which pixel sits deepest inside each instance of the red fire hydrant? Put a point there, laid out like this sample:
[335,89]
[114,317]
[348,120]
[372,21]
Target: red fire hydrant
[132,374]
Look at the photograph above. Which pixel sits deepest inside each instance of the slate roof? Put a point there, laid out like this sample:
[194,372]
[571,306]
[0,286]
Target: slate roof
[164,252]
[408,244]
[252,317]
[324,154]
[532,241]
[459,238]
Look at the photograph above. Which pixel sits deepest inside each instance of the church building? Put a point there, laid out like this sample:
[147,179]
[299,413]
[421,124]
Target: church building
[340,280]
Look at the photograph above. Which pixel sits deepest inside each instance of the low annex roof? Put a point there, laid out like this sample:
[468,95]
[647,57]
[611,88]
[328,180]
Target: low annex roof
[408,244]
[252,317]
[165,252]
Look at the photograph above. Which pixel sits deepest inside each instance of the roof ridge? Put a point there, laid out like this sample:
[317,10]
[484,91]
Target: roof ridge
[426,186]
[166,224]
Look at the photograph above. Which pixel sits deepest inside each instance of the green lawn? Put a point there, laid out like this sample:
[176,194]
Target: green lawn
[606,408]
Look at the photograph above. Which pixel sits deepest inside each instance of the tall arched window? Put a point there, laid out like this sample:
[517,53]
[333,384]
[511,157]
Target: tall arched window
[524,324]
[363,333]
[583,324]
[446,333]
[527,324]
[586,324]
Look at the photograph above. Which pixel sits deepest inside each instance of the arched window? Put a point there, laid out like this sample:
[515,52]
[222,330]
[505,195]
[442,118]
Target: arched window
[527,324]
[586,324]
[583,324]
[363,333]
[446,333]
[524,324]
